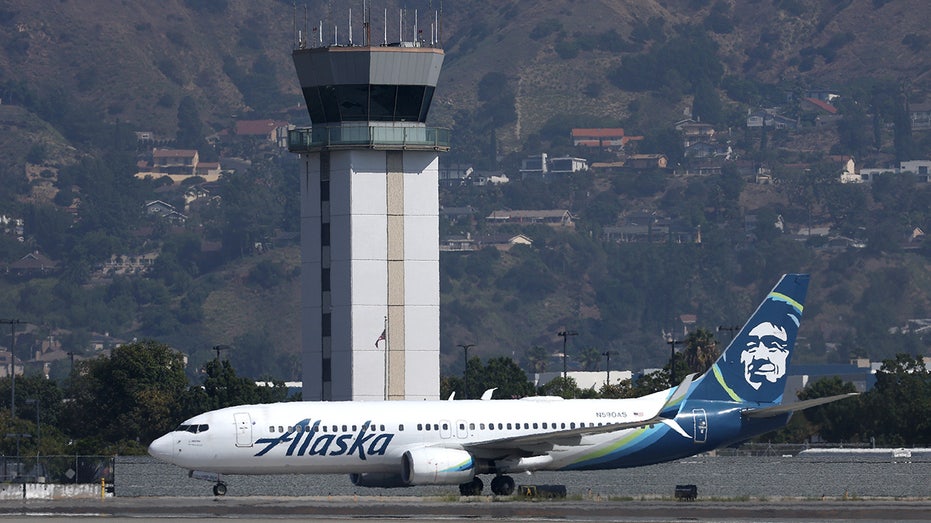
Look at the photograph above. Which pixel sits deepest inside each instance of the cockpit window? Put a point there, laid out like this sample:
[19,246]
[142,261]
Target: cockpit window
[193,429]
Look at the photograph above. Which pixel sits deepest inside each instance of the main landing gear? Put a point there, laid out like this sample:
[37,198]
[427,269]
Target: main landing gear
[472,488]
[219,489]
[500,486]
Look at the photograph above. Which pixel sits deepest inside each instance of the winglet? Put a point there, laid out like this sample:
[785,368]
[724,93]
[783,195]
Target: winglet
[487,395]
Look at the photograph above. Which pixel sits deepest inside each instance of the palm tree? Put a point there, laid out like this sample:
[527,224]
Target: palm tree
[701,350]
[538,358]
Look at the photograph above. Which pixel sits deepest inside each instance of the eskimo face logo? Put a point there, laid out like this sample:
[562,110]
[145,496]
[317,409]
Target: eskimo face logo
[765,355]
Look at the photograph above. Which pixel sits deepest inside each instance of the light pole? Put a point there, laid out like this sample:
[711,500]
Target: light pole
[564,334]
[672,359]
[607,355]
[465,370]
[12,324]
[218,348]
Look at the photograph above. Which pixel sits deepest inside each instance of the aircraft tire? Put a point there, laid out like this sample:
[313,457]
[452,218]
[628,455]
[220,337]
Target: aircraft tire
[502,485]
[219,489]
[472,488]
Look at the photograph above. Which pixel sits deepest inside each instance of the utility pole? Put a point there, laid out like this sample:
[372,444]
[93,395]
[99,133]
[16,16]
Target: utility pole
[730,330]
[564,334]
[12,324]
[672,359]
[465,370]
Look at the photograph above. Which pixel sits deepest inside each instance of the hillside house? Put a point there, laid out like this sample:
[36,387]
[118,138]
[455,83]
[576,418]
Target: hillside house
[275,131]
[770,119]
[554,217]
[32,264]
[567,165]
[646,161]
[920,115]
[179,165]
[694,132]
[164,210]
[606,139]
[504,242]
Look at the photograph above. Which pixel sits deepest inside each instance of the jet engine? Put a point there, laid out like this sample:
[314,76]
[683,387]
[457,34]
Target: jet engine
[377,479]
[437,466]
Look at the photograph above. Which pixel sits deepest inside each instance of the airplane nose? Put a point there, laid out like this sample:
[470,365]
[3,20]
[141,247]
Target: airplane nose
[162,448]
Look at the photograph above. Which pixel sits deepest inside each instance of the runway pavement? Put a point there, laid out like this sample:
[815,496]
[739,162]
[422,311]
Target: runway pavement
[375,508]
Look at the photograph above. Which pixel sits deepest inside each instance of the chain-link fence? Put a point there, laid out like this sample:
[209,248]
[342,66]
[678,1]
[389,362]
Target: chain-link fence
[56,469]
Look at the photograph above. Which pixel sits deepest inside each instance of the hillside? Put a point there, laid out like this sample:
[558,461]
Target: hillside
[78,79]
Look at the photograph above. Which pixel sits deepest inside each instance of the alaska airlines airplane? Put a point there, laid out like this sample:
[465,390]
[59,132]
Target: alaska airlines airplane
[406,443]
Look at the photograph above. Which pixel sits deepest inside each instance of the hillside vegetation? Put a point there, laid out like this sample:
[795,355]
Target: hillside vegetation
[78,79]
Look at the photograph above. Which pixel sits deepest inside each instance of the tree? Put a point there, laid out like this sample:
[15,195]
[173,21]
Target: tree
[899,404]
[836,422]
[538,358]
[190,128]
[701,350]
[707,104]
[223,388]
[132,395]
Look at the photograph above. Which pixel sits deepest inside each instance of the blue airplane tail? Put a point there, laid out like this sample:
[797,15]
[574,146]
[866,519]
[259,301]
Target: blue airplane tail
[753,367]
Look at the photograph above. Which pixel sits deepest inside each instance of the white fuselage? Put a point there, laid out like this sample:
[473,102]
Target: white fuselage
[371,437]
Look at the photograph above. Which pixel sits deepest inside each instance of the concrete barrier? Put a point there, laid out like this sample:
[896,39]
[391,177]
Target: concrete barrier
[10,491]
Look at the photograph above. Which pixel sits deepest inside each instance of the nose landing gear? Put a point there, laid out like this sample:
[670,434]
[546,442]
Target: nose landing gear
[219,489]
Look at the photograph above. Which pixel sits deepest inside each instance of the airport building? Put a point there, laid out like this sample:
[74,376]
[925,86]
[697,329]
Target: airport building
[369,219]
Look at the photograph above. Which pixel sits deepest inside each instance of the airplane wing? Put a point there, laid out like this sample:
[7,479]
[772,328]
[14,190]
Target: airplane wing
[775,410]
[538,443]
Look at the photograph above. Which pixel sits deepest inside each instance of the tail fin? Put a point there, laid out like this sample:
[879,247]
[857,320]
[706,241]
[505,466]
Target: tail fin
[753,367]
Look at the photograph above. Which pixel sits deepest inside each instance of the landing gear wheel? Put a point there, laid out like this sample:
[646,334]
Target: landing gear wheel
[472,488]
[219,489]
[502,485]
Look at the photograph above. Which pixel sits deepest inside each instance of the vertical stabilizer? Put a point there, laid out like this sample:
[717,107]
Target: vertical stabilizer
[754,366]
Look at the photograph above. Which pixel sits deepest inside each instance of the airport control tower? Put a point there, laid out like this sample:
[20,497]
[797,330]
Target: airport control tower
[369,218]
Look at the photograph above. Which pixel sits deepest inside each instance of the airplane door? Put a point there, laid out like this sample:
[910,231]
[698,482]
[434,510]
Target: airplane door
[243,429]
[701,425]
[445,429]
[461,429]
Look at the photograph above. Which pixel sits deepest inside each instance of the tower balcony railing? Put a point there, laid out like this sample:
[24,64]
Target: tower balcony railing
[368,135]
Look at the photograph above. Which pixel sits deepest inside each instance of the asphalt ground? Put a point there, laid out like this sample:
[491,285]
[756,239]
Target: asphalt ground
[376,508]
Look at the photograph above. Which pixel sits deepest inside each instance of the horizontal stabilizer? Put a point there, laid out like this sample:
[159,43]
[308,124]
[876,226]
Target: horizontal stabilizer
[671,407]
[768,412]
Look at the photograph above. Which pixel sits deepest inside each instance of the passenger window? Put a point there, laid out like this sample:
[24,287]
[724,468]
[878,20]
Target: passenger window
[353,428]
[381,428]
[509,426]
[471,426]
[420,426]
[534,425]
[428,426]
[307,428]
[526,425]
[572,425]
[271,428]
[544,424]
[400,428]
[280,428]
[481,426]
[344,428]
[436,426]
[563,425]
[500,426]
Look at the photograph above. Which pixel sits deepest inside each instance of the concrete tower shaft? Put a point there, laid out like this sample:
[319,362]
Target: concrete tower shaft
[369,222]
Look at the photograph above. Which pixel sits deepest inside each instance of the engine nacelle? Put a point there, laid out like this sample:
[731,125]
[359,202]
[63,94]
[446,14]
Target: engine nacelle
[377,479]
[437,466]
